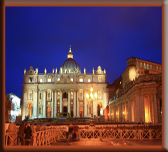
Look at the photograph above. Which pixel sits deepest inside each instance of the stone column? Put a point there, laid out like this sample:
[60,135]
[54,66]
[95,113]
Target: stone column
[114,113]
[52,107]
[159,116]
[155,108]
[142,108]
[60,101]
[69,101]
[77,104]
[55,104]
[24,108]
[34,103]
[94,108]
[120,113]
[44,103]
[129,111]
[84,103]
[74,103]
[137,101]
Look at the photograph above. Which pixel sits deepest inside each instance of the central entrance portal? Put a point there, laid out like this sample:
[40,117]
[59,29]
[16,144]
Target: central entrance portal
[65,111]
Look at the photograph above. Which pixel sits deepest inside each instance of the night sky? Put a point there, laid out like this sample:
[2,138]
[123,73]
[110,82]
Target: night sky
[105,36]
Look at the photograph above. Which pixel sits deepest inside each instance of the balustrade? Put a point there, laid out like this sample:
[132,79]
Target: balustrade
[49,134]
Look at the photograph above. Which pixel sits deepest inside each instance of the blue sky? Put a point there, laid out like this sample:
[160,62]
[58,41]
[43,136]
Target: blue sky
[105,36]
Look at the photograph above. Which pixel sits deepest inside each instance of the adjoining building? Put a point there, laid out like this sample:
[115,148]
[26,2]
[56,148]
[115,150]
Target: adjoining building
[138,97]
[15,106]
[51,94]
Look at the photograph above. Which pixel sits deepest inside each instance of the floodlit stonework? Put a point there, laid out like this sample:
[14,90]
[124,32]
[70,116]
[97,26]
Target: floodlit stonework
[139,94]
[63,91]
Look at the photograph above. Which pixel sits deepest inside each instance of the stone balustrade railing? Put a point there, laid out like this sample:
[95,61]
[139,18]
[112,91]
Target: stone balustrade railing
[49,134]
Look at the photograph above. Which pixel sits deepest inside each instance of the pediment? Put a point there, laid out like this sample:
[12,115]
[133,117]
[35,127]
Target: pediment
[65,81]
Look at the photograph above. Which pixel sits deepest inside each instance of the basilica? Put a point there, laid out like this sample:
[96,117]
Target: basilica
[136,96]
[47,95]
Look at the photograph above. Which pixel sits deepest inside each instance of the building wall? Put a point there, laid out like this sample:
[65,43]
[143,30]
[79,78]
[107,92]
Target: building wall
[52,93]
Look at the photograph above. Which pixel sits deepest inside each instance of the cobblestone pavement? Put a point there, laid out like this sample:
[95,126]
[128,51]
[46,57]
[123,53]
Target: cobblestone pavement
[108,142]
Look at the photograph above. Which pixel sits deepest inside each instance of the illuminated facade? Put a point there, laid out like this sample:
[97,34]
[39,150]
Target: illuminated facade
[49,94]
[139,95]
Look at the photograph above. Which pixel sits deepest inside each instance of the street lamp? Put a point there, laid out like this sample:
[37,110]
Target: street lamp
[91,97]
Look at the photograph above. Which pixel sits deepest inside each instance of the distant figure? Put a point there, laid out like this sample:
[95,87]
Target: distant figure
[38,127]
[67,132]
[74,132]
[70,131]
[21,132]
[28,134]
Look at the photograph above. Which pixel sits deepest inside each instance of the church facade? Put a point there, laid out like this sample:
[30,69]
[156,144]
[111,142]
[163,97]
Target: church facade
[47,95]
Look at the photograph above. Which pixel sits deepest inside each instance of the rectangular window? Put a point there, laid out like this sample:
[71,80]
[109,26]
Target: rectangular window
[99,79]
[144,66]
[88,80]
[71,79]
[156,68]
[41,80]
[141,65]
[39,110]
[58,102]
[30,79]
[147,66]
[40,95]
[58,79]
[49,79]
[71,102]
[150,67]
[81,80]
[49,103]
[137,64]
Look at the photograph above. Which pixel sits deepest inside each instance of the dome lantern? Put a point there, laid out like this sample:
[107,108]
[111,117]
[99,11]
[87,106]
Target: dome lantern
[70,55]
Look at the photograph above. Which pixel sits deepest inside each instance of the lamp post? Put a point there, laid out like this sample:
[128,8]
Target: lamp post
[90,97]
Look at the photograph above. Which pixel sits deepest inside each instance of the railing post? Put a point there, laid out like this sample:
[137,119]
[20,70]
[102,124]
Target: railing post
[34,139]
[121,137]
[150,134]
[100,134]
[140,136]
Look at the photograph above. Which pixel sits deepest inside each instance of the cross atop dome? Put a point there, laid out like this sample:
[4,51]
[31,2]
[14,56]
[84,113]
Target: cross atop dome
[70,55]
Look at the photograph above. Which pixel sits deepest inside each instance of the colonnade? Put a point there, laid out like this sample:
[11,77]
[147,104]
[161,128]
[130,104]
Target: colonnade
[138,108]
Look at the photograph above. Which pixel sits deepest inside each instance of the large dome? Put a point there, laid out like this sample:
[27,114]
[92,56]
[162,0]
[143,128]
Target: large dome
[70,65]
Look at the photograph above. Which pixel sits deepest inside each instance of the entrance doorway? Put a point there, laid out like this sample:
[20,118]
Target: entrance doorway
[64,111]
[29,110]
[81,112]
[48,112]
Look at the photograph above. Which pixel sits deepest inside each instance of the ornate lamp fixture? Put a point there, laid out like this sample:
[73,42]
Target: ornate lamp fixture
[91,97]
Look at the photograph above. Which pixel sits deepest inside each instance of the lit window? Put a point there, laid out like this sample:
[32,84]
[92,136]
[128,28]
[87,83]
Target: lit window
[40,95]
[144,66]
[88,80]
[30,95]
[49,79]
[41,80]
[137,64]
[71,79]
[30,79]
[71,102]
[99,79]
[81,80]
[120,82]
[141,65]
[147,66]
[150,67]
[58,79]
[49,103]
[157,68]
[58,102]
